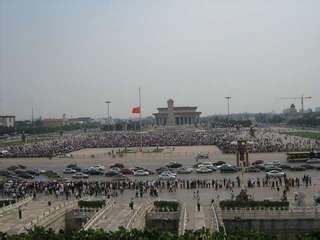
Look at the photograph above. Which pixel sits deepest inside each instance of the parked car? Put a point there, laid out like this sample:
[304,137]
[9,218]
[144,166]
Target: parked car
[228,168]
[80,175]
[208,165]
[204,170]
[141,173]
[271,167]
[202,156]
[275,173]
[166,176]
[297,168]
[92,171]
[4,173]
[12,168]
[256,162]
[111,173]
[25,175]
[118,165]
[307,166]
[126,171]
[116,169]
[33,172]
[313,160]
[69,171]
[74,167]
[162,169]
[252,169]
[184,170]
[284,166]
[260,166]
[173,165]
[99,167]
[219,163]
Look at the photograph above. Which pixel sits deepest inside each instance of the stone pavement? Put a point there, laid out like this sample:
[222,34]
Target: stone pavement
[119,214]
[10,222]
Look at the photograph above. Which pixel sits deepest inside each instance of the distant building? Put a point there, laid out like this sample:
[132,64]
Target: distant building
[317,109]
[80,120]
[7,121]
[53,122]
[176,116]
[291,110]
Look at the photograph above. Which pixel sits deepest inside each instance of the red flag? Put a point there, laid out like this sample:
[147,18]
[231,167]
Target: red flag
[136,109]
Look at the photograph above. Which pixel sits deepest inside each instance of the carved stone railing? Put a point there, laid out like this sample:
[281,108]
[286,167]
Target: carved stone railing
[15,205]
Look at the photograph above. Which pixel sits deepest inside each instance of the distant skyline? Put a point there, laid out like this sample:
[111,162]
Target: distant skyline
[72,56]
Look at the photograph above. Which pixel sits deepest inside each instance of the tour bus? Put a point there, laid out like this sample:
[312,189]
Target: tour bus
[301,156]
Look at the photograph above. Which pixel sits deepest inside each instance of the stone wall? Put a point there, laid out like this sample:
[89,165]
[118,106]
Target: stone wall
[163,221]
[284,229]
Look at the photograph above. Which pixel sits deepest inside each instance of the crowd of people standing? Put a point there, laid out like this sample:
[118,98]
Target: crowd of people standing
[264,140]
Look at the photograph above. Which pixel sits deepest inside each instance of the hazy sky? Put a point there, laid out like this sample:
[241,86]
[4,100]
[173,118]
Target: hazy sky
[69,56]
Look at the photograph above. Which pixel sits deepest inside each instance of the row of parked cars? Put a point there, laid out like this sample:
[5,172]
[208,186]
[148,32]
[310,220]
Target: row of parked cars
[115,170]
[21,171]
[170,171]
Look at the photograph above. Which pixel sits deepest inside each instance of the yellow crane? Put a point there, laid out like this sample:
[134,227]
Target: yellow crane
[302,98]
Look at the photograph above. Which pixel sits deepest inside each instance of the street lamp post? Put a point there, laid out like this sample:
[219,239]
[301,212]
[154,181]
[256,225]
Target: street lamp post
[108,104]
[228,102]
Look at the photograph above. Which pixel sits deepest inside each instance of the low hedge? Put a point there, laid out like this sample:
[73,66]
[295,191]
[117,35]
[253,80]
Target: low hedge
[6,202]
[92,204]
[254,204]
[166,206]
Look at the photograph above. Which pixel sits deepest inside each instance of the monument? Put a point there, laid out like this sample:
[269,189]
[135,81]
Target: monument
[177,116]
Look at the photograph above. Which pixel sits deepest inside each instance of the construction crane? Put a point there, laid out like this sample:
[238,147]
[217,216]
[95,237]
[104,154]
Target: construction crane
[302,98]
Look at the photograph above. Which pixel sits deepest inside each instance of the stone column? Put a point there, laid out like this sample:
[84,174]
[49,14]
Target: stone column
[170,119]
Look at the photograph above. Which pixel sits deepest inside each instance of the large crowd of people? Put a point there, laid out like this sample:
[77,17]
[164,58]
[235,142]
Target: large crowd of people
[109,189]
[264,140]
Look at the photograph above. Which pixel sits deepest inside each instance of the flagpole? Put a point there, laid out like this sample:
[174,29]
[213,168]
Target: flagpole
[140,119]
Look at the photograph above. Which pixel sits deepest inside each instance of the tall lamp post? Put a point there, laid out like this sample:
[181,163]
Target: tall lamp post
[228,102]
[108,105]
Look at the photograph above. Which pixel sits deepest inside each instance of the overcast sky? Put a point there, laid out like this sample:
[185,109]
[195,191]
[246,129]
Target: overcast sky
[70,56]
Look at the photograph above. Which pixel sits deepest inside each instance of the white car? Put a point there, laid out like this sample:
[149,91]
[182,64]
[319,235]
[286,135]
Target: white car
[100,167]
[313,160]
[184,170]
[166,176]
[208,165]
[69,171]
[141,173]
[80,175]
[275,173]
[204,170]
[169,173]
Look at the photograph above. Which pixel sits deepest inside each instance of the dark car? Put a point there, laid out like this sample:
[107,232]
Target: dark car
[219,163]
[92,171]
[284,166]
[174,165]
[12,168]
[33,173]
[298,168]
[126,171]
[4,173]
[22,166]
[19,171]
[162,169]
[111,173]
[257,162]
[252,169]
[117,165]
[260,166]
[25,175]
[226,168]
[307,166]
[74,167]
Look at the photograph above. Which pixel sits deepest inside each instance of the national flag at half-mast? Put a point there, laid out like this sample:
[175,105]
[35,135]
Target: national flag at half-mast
[136,109]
